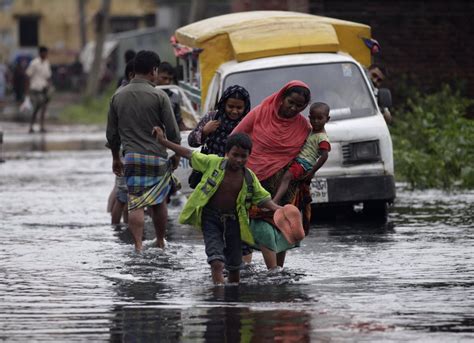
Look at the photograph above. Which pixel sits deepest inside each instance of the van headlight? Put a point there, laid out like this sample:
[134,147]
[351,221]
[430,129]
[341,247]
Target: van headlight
[361,152]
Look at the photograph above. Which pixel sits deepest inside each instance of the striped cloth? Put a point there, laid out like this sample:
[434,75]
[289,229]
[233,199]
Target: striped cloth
[148,179]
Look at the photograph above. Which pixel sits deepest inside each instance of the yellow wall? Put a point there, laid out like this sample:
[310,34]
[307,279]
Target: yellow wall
[6,23]
[59,22]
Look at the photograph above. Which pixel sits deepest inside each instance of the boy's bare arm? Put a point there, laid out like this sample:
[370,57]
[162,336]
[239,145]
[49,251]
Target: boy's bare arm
[178,149]
[270,204]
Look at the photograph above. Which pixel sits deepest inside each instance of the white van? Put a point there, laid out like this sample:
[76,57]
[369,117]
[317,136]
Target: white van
[360,164]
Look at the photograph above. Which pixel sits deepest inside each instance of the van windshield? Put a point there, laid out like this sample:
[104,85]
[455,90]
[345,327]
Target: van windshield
[340,85]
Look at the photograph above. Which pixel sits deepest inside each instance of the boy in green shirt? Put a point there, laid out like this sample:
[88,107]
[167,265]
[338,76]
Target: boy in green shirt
[314,152]
[219,205]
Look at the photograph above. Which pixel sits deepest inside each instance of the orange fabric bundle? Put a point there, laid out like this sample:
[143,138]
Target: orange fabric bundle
[288,220]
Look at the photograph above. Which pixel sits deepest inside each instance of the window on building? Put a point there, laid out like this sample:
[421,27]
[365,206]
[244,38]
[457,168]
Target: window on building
[150,20]
[120,24]
[28,31]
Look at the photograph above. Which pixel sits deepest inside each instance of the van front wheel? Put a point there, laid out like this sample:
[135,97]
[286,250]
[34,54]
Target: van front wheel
[377,209]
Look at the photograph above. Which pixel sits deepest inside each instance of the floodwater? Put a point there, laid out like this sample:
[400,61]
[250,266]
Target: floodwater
[67,275]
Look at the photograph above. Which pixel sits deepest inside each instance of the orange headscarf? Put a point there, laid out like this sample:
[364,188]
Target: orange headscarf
[276,140]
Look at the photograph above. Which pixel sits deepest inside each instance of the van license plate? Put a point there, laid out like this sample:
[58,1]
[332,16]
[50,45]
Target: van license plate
[319,190]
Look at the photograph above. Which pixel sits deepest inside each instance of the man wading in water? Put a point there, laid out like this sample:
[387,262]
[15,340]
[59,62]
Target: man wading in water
[134,110]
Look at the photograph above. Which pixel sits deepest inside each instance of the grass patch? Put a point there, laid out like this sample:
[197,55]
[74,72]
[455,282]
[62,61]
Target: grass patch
[90,111]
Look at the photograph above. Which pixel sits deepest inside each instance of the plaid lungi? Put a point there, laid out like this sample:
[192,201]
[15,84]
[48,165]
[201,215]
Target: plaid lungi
[148,179]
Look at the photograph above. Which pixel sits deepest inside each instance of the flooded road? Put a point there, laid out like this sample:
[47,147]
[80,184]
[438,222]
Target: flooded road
[66,274]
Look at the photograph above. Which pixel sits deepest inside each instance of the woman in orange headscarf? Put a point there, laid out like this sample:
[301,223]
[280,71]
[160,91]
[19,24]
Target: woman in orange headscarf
[278,131]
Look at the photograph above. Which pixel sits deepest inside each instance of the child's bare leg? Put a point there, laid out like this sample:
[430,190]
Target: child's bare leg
[136,221]
[217,269]
[285,181]
[125,213]
[280,257]
[111,199]
[160,219]
[269,257]
[247,258]
[234,276]
[117,211]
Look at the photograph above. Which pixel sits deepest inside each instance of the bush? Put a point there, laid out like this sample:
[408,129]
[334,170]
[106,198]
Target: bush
[88,111]
[433,140]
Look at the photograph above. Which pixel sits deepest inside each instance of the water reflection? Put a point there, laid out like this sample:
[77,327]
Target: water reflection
[151,311]
[354,228]
[164,323]
[234,323]
[146,324]
[227,324]
[209,324]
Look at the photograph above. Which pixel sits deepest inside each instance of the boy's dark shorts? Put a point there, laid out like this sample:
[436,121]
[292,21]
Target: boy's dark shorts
[246,249]
[221,231]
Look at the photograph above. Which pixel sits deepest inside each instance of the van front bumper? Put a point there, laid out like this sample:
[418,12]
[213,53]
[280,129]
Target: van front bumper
[359,189]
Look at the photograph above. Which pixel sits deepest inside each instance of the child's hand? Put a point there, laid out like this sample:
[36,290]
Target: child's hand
[210,127]
[158,131]
[308,177]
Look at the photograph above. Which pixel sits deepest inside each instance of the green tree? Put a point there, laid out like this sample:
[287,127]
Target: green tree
[433,140]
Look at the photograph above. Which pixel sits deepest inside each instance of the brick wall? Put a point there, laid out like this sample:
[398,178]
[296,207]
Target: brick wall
[430,41]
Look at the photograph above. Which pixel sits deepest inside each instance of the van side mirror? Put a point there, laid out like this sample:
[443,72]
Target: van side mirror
[384,97]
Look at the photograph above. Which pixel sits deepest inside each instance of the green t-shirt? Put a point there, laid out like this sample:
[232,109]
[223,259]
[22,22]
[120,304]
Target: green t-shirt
[311,151]
[213,169]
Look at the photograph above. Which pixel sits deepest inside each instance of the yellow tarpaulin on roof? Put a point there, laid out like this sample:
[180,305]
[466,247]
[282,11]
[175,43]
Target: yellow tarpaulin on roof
[249,35]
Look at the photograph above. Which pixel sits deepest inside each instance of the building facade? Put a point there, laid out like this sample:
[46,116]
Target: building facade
[56,24]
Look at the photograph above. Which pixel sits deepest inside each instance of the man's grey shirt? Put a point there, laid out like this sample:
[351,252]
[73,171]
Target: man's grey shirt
[133,112]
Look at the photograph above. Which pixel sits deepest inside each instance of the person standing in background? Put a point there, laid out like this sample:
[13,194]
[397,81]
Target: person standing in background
[377,74]
[166,76]
[3,81]
[38,87]
[118,198]
[128,57]
[20,80]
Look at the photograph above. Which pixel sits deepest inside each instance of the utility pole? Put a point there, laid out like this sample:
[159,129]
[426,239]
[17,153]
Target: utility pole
[82,22]
[198,10]
[102,25]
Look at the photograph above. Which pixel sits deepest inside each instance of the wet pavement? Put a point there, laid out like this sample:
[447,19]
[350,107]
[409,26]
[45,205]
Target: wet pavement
[16,138]
[67,275]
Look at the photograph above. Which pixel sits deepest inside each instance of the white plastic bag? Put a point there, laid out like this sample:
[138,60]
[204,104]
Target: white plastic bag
[26,106]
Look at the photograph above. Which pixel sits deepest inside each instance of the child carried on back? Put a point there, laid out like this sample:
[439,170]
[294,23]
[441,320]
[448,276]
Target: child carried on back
[314,152]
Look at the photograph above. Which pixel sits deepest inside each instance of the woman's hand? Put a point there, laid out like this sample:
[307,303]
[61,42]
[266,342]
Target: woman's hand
[210,127]
[160,135]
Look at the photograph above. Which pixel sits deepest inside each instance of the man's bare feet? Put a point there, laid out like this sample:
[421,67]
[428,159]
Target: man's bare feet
[160,243]
[138,247]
